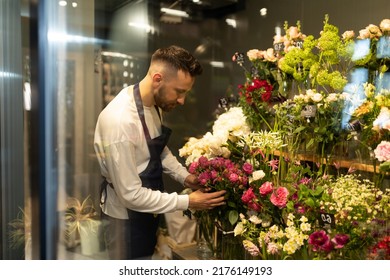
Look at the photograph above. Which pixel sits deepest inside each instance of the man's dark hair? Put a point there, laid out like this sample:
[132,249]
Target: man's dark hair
[179,59]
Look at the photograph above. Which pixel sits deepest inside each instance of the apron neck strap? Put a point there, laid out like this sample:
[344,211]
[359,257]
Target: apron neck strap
[140,109]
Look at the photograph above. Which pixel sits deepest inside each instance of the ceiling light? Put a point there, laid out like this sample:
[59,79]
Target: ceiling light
[263,12]
[140,25]
[217,64]
[62,3]
[173,12]
[231,22]
[74,4]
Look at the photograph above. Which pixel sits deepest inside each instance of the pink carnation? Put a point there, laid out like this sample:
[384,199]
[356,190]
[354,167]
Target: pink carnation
[279,197]
[266,188]
[382,151]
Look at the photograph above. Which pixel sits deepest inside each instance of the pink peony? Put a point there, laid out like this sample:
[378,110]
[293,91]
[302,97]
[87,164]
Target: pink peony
[382,151]
[266,188]
[279,197]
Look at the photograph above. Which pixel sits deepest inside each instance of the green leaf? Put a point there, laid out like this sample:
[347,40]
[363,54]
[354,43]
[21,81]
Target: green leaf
[299,129]
[290,205]
[316,192]
[233,216]
[310,202]
[310,143]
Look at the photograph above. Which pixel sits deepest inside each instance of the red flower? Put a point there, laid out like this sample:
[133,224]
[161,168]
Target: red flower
[266,96]
[248,195]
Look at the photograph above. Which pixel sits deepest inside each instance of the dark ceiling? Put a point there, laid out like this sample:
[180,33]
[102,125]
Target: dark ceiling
[202,9]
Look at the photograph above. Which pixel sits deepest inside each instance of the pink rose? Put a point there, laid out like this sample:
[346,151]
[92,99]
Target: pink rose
[348,35]
[266,188]
[248,195]
[385,25]
[204,178]
[382,151]
[248,168]
[364,34]
[252,54]
[233,177]
[203,161]
[279,197]
[293,32]
[193,166]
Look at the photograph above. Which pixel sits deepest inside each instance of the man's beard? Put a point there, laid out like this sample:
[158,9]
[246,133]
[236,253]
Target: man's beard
[161,101]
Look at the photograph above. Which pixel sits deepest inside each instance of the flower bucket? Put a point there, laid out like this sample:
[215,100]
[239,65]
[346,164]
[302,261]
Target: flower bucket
[229,247]
[89,237]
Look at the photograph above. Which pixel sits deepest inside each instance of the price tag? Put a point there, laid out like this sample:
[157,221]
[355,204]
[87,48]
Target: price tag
[326,220]
[279,47]
[309,111]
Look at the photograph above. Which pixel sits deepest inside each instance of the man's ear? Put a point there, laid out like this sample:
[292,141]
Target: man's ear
[157,78]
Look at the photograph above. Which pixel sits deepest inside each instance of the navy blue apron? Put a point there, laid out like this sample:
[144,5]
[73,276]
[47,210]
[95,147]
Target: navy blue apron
[143,226]
[140,230]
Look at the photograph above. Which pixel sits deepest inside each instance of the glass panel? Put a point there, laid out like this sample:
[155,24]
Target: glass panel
[89,50]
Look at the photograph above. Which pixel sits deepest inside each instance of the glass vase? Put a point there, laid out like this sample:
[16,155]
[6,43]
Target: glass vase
[230,246]
[205,237]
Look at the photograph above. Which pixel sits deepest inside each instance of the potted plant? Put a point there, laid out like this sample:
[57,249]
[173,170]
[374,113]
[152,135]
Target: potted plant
[82,221]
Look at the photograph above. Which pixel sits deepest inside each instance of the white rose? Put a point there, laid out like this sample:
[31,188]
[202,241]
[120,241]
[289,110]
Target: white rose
[257,175]
[317,97]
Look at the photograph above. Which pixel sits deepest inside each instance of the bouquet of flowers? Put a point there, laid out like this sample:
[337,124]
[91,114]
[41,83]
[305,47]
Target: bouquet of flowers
[229,126]
[323,218]
[312,122]
[261,87]
[370,117]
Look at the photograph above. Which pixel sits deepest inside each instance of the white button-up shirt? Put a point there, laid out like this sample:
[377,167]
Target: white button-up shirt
[122,152]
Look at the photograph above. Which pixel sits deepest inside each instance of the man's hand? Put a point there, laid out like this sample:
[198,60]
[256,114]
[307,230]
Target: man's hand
[192,182]
[200,200]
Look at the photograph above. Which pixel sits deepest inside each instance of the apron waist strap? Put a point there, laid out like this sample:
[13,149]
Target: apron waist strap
[103,190]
